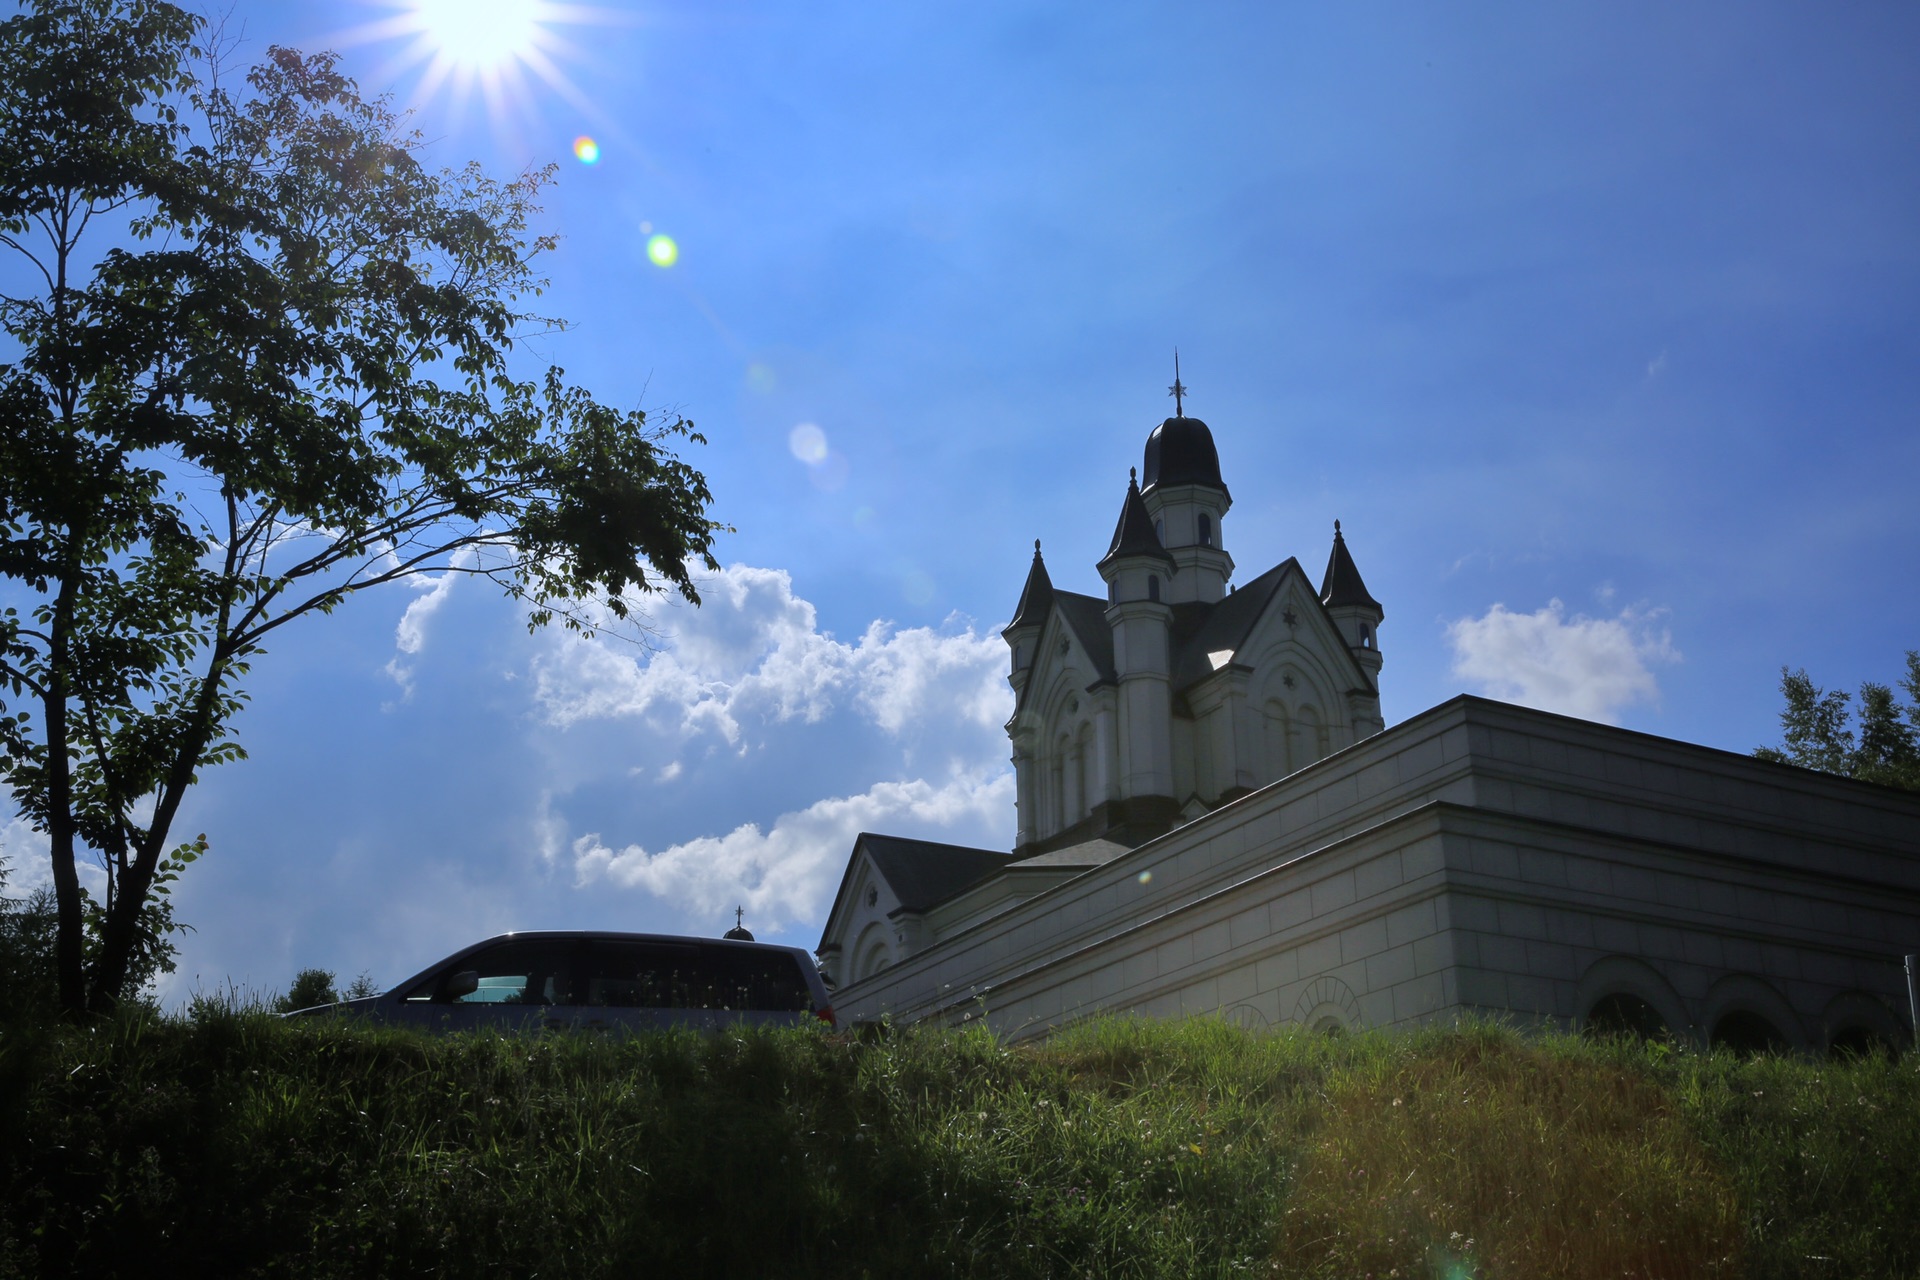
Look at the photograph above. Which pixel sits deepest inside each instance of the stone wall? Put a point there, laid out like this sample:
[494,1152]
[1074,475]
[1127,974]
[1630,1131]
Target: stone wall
[1479,857]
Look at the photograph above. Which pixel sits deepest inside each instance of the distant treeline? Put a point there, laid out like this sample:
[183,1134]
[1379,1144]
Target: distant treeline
[227,1141]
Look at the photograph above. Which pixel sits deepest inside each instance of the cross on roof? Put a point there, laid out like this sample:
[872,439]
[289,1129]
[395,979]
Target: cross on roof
[1177,391]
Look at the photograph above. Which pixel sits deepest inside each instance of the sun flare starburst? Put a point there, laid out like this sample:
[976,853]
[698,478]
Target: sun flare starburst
[505,49]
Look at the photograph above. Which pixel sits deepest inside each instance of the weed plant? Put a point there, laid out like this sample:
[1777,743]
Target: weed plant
[229,1142]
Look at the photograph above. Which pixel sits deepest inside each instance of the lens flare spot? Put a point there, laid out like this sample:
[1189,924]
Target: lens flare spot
[1145,877]
[919,587]
[761,378]
[646,228]
[662,251]
[586,150]
[808,443]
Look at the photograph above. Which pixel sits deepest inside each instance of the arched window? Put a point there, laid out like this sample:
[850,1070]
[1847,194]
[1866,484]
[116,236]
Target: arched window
[1153,586]
[1056,802]
[1312,739]
[1073,777]
[1206,529]
[1366,636]
[1089,771]
[1279,740]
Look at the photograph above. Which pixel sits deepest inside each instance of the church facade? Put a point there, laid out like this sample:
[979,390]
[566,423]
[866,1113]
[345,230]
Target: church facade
[1213,818]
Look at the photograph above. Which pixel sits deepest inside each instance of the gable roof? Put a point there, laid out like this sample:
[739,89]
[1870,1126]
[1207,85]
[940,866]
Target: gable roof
[1203,629]
[1087,616]
[1199,631]
[924,872]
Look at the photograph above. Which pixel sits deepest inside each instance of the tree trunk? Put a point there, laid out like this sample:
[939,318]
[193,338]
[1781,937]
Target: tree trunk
[122,927]
[68,952]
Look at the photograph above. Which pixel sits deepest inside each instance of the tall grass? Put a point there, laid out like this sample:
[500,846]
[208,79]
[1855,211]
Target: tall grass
[227,1142]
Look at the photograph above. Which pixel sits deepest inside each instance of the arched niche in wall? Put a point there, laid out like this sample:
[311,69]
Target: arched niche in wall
[1857,1023]
[1745,1014]
[1296,698]
[1328,1006]
[1058,716]
[1618,993]
[872,952]
[1279,739]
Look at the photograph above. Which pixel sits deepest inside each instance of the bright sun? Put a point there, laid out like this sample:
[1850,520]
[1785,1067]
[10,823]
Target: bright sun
[489,45]
[480,35]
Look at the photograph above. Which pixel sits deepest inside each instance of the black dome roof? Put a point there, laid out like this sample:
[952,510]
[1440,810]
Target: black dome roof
[1180,451]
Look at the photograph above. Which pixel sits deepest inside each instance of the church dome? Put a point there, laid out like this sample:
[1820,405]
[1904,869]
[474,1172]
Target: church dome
[1180,451]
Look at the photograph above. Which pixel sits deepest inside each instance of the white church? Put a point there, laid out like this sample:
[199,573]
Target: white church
[1214,819]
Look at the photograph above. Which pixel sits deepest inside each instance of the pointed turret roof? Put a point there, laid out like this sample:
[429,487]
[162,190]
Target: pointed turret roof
[1036,597]
[1343,585]
[1134,535]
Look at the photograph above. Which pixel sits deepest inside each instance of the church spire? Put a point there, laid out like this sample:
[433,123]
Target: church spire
[1036,598]
[1134,535]
[1342,584]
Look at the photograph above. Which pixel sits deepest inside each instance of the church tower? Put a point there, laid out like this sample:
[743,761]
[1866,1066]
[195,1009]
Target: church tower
[1353,610]
[1023,633]
[1138,570]
[1188,501]
[1169,696]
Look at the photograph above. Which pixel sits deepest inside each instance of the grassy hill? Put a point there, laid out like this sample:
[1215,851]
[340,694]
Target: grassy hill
[229,1142]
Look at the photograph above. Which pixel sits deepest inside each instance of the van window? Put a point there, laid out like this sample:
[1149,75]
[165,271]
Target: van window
[689,975]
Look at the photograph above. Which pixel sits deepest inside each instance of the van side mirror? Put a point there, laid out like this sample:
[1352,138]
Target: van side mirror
[464,983]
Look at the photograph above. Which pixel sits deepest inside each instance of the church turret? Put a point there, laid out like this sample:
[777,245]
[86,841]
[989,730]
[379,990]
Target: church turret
[1353,610]
[1187,500]
[1023,633]
[1137,570]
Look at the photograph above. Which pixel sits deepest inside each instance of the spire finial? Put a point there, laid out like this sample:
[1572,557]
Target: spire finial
[1036,546]
[739,917]
[1336,528]
[1177,391]
[1133,477]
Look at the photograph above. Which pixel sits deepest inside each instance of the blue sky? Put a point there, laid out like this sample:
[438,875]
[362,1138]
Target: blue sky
[1595,324]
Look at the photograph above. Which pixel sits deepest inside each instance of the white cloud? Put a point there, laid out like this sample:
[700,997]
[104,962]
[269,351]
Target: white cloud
[410,636]
[788,872]
[25,854]
[753,650]
[1581,666]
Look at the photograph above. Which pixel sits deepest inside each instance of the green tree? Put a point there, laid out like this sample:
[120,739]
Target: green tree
[310,987]
[26,954]
[1818,728]
[261,364]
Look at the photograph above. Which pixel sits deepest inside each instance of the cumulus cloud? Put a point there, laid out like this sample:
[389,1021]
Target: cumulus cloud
[1580,666]
[789,871]
[753,650]
[24,855]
